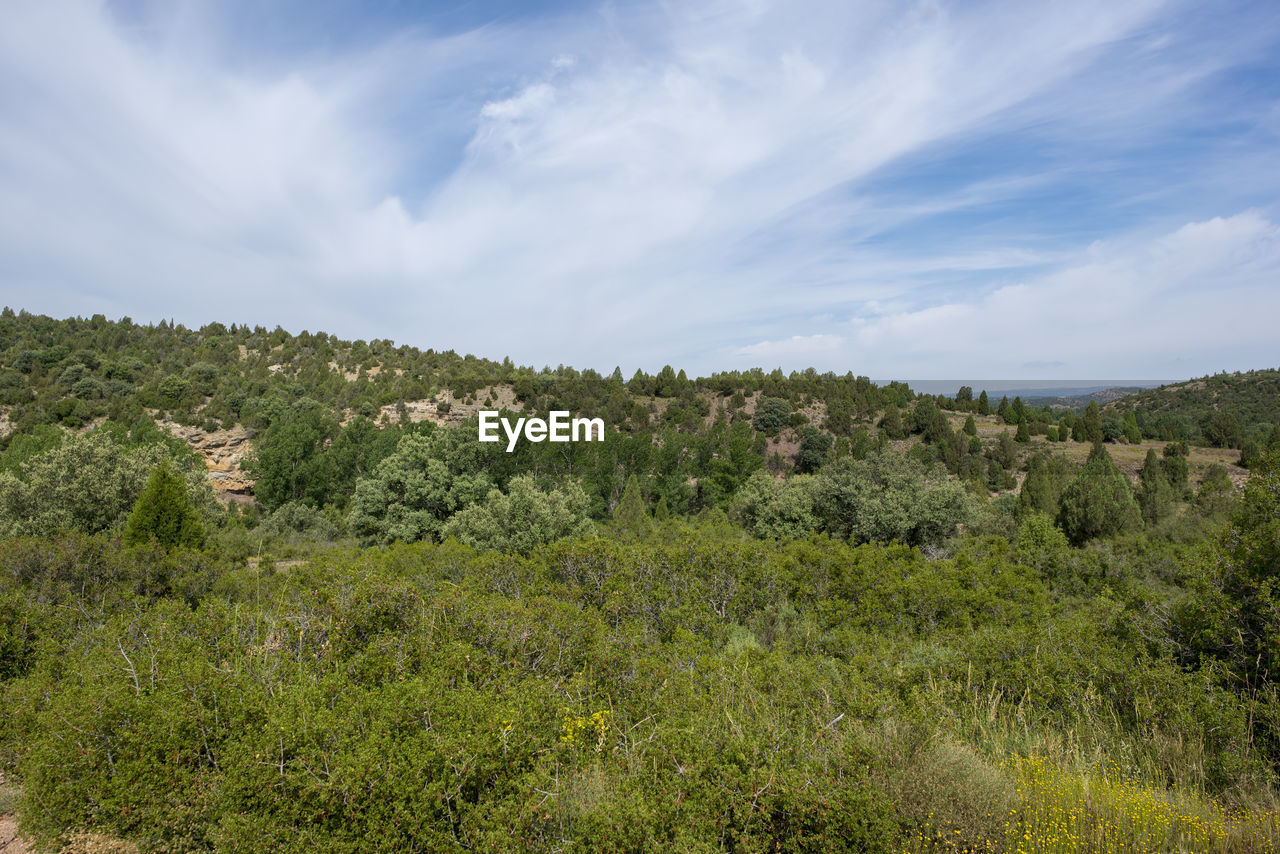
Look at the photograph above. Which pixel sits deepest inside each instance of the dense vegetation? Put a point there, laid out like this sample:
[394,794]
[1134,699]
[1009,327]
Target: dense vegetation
[1227,410]
[768,612]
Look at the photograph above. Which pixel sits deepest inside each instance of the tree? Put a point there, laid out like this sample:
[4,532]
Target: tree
[522,518]
[89,483]
[164,514]
[414,491]
[970,427]
[771,415]
[1098,501]
[1217,494]
[885,497]
[1177,471]
[1040,490]
[629,518]
[815,445]
[984,403]
[770,510]
[286,464]
[1234,616]
[1005,451]
[1024,435]
[1017,411]
[1093,423]
[1155,495]
[1132,433]
[891,424]
[1222,429]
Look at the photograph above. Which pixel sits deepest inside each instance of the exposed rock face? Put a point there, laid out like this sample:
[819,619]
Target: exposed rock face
[223,451]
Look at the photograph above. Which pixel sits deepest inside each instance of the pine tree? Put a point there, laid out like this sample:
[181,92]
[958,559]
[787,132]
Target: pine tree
[1098,501]
[661,513]
[891,424]
[1036,494]
[1092,423]
[970,428]
[984,403]
[164,513]
[1024,434]
[1155,495]
[629,518]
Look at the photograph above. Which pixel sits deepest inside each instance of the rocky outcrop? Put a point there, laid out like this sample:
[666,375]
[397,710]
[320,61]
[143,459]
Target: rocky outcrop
[444,408]
[223,452]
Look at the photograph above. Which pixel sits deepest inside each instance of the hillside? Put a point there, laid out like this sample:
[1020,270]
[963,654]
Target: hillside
[1226,410]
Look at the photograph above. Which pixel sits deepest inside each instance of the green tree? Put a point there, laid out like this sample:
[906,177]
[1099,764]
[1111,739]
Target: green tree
[1132,433]
[164,514]
[522,518]
[772,510]
[1093,423]
[970,427]
[1155,495]
[885,497]
[1098,501]
[815,446]
[287,464]
[630,520]
[891,423]
[89,483]
[771,415]
[414,491]
[1023,435]
[1043,485]
[984,403]
[1177,470]
[1216,496]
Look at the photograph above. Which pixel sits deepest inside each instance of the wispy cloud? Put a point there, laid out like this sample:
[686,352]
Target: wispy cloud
[692,184]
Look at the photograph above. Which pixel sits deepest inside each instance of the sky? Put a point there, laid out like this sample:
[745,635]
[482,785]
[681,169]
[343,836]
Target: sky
[899,189]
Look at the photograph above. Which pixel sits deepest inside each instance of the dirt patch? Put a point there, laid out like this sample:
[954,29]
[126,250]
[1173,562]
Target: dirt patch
[10,841]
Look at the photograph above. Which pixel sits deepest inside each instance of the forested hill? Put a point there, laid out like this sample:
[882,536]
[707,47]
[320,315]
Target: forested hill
[72,371]
[291,421]
[1227,410]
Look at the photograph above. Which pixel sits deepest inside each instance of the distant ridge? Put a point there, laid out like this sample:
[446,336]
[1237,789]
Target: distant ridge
[1025,389]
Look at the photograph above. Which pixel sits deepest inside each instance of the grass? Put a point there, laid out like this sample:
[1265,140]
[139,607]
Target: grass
[1059,811]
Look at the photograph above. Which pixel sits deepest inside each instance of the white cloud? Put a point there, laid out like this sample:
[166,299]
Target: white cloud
[1201,293]
[595,193]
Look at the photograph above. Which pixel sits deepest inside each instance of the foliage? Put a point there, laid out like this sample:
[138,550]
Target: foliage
[415,490]
[1098,501]
[771,415]
[887,497]
[87,483]
[522,518]
[164,514]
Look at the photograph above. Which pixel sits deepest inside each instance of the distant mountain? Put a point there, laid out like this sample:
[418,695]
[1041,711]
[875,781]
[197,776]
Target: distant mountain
[1081,399]
[1037,389]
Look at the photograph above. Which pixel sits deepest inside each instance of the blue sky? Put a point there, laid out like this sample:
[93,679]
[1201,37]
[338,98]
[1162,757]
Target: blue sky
[917,190]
